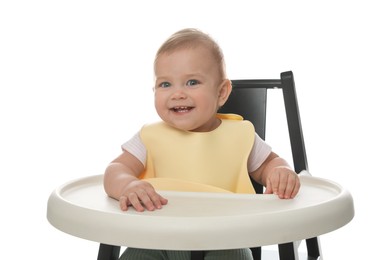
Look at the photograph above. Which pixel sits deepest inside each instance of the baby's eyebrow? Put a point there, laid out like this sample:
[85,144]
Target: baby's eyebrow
[196,74]
[162,78]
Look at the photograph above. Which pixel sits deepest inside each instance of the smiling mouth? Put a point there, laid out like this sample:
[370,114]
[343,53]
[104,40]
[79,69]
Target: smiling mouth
[181,109]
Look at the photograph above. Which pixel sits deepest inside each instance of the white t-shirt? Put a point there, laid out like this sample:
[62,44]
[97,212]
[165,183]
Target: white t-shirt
[258,155]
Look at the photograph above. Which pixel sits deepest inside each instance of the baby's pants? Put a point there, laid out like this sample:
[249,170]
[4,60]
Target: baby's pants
[149,254]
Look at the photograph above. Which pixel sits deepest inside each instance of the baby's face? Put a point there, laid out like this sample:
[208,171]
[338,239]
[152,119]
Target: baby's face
[187,90]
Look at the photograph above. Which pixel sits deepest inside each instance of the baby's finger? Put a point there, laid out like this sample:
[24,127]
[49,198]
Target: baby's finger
[296,188]
[146,201]
[157,200]
[292,186]
[268,186]
[130,200]
[284,187]
[275,184]
[123,203]
[135,202]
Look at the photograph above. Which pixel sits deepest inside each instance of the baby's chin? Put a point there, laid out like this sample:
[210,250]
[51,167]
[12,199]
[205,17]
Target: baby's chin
[183,127]
[186,128]
[190,125]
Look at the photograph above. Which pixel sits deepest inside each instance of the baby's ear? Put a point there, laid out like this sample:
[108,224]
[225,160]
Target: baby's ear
[224,91]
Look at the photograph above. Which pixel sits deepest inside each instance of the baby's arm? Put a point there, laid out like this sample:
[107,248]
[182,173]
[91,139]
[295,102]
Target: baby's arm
[121,183]
[277,176]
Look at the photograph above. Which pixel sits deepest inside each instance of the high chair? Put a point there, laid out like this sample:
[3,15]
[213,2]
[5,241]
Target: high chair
[81,207]
[249,99]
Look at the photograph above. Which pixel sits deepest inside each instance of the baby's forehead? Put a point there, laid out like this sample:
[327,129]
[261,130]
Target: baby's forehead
[202,50]
[193,47]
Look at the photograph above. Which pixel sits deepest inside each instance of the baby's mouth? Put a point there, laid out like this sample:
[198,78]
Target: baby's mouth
[181,109]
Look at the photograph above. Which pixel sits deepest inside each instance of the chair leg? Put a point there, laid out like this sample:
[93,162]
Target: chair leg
[197,255]
[108,252]
[256,253]
[313,248]
[288,251]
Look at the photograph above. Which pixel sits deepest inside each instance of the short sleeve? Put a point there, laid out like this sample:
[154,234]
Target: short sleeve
[260,151]
[136,148]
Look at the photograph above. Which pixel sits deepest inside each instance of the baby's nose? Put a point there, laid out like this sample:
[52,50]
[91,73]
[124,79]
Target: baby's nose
[179,93]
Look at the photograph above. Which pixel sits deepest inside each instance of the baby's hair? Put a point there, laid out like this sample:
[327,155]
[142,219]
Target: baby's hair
[192,38]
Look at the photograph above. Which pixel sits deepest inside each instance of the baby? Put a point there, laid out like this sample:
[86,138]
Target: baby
[193,142]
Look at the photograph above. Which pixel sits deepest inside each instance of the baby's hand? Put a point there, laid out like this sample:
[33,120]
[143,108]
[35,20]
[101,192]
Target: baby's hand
[284,182]
[141,195]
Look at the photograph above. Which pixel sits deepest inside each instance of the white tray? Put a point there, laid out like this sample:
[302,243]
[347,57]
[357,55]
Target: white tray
[194,220]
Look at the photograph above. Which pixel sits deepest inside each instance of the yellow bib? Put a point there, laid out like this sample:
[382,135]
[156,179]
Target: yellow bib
[217,158]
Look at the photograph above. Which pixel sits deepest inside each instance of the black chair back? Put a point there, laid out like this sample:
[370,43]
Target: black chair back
[249,99]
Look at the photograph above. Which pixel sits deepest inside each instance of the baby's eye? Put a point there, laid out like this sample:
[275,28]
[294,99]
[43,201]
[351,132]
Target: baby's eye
[164,85]
[192,82]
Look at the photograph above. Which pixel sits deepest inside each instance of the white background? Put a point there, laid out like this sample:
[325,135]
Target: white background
[76,82]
